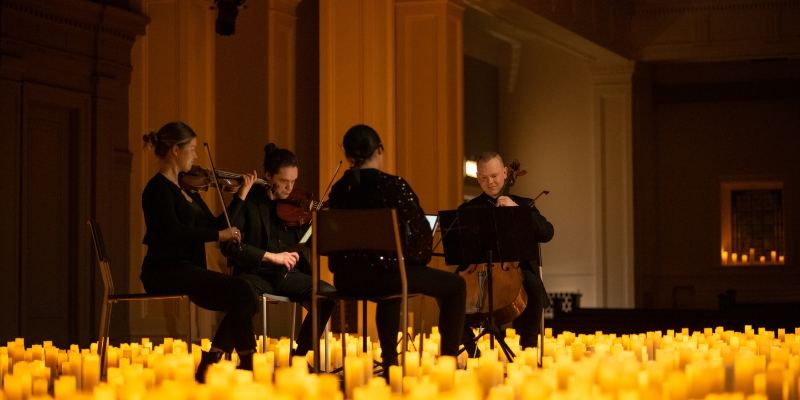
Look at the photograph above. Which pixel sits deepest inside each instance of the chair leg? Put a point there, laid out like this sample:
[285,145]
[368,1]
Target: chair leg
[327,344]
[363,326]
[294,319]
[105,323]
[342,329]
[404,348]
[264,323]
[189,324]
[541,342]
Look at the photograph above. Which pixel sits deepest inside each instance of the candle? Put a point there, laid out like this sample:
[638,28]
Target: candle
[65,386]
[772,255]
[724,257]
[744,258]
[734,257]
[762,259]
[353,373]
[396,379]
[447,371]
[12,387]
[752,254]
[780,259]
[412,364]
[91,372]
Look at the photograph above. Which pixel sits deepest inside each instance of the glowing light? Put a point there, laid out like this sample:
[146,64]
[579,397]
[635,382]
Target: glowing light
[471,167]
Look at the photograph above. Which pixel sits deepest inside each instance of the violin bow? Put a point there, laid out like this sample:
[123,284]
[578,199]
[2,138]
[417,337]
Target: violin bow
[219,192]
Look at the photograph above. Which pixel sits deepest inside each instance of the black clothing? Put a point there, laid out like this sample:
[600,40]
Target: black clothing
[262,231]
[374,273]
[527,324]
[177,230]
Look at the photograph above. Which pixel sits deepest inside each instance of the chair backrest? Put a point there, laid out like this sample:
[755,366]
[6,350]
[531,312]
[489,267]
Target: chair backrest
[369,230]
[102,258]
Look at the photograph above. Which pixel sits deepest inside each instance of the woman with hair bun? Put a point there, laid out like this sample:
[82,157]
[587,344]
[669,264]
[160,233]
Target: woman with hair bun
[178,226]
[264,258]
[364,186]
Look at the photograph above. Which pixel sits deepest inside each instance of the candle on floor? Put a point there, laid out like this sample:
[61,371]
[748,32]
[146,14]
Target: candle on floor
[396,378]
[773,255]
[734,258]
[724,257]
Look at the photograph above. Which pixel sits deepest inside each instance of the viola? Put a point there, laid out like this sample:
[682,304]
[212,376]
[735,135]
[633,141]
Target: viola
[200,179]
[510,298]
[296,210]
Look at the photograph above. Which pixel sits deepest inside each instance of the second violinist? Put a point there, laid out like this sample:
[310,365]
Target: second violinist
[263,259]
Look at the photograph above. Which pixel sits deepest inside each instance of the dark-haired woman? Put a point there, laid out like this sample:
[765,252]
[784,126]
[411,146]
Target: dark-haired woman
[178,226]
[263,259]
[365,186]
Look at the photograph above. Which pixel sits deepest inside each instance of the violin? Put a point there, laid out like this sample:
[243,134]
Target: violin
[510,298]
[296,210]
[200,179]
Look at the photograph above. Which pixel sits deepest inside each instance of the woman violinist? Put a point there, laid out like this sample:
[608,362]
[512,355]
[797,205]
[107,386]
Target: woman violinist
[178,226]
[263,259]
[370,273]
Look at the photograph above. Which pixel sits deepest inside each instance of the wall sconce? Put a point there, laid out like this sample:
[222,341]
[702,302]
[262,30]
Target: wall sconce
[471,168]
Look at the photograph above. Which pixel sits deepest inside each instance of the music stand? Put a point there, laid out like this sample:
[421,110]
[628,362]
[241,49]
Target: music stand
[487,235]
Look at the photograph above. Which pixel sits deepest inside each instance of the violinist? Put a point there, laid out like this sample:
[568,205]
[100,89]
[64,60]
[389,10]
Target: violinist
[374,274]
[178,226]
[263,259]
[491,177]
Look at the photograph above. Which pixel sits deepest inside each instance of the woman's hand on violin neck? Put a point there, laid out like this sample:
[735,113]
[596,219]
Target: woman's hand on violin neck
[286,259]
[247,183]
[230,234]
[505,201]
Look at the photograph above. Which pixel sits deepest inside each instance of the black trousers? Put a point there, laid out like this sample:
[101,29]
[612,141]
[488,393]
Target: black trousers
[448,288]
[297,286]
[213,291]
[528,323]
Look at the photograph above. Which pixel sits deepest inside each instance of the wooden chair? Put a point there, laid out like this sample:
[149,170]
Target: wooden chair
[110,296]
[357,230]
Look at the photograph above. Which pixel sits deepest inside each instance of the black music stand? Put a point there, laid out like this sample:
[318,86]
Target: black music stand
[486,235]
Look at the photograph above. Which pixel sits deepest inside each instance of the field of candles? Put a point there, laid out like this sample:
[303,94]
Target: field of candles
[712,364]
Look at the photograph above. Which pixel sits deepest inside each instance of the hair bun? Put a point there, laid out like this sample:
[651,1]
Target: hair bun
[151,139]
[269,148]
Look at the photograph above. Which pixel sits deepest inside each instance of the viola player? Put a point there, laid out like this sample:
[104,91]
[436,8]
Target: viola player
[178,226]
[491,176]
[263,259]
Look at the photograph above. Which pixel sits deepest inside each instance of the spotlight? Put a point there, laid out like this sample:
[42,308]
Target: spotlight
[227,10]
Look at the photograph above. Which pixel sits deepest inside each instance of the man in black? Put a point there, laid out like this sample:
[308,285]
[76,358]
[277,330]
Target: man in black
[491,176]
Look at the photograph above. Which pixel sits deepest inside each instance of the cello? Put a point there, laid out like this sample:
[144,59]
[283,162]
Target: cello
[509,295]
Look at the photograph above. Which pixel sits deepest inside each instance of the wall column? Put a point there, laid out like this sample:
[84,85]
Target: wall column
[430,100]
[614,177]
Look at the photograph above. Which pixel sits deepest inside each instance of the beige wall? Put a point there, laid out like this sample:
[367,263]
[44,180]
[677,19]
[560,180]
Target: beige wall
[551,92]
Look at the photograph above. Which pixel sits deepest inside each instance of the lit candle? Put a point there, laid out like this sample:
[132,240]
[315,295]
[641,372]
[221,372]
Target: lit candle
[412,364]
[396,378]
[724,257]
[734,258]
[91,372]
[762,259]
[64,387]
[780,259]
[12,387]
[447,371]
[744,258]
[752,254]
[772,255]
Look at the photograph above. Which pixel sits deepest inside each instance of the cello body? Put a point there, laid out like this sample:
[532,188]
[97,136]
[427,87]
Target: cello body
[510,297]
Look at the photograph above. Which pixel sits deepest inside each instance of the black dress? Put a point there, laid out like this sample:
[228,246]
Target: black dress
[177,230]
[374,273]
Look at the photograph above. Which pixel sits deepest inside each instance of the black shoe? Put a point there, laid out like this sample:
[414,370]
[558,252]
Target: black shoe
[245,361]
[208,358]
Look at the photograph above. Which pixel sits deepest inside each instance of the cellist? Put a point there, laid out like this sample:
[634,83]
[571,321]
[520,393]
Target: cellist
[491,176]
